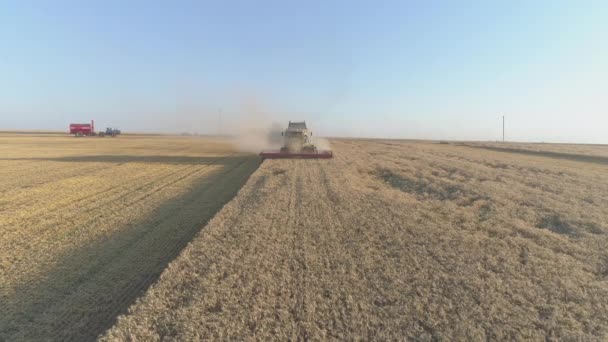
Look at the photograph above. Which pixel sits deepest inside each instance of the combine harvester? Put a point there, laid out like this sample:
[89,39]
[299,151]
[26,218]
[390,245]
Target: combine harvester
[298,143]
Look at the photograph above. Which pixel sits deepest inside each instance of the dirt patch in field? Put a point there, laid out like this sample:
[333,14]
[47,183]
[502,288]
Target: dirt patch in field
[420,186]
[557,225]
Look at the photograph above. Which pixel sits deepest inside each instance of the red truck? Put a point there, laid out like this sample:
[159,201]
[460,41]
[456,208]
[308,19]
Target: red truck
[80,130]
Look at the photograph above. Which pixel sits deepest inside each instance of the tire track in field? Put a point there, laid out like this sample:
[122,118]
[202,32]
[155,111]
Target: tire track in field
[391,235]
[319,255]
[298,262]
[356,246]
[333,242]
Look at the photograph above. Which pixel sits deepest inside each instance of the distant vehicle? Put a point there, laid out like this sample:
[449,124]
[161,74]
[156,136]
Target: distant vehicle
[110,131]
[88,130]
[298,143]
[81,130]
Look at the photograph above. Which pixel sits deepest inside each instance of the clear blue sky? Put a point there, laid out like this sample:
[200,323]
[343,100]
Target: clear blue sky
[423,69]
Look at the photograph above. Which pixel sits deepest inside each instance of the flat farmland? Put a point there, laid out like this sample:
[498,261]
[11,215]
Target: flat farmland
[394,240]
[87,224]
[576,152]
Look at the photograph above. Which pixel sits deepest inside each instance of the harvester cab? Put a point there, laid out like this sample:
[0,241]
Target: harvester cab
[297,138]
[298,143]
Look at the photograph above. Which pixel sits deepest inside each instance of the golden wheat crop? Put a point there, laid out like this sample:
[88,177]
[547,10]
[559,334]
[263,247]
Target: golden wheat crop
[391,241]
[87,224]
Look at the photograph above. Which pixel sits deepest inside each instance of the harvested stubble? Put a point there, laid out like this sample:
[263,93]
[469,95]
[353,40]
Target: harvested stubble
[390,241]
[87,224]
[577,152]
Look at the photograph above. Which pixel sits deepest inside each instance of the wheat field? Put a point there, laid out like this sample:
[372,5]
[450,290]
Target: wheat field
[394,240]
[576,149]
[87,224]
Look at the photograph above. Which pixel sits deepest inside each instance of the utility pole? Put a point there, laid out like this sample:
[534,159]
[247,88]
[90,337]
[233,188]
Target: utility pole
[503,128]
[219,123]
